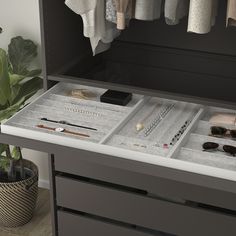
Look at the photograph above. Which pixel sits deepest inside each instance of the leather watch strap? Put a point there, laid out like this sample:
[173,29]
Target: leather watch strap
[62,130]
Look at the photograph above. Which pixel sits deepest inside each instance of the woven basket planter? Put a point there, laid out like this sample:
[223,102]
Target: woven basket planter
[18,199]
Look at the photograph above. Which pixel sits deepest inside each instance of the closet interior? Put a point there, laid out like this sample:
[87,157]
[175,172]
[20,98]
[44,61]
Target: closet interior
[155,165]
[170,59]
[178,81]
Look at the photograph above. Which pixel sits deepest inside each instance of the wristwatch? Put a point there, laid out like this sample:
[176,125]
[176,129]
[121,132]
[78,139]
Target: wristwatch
[62,130]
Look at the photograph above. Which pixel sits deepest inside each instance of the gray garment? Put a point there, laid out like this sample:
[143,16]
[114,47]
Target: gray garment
[175,10]
[202,15]
[111,11]
[148,9]
[100,32]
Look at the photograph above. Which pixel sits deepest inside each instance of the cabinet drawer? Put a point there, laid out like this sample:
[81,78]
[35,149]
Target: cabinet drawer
[141,210]
[74,225]
[158,180]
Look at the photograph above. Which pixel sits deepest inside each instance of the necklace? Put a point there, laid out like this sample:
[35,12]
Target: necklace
[180,132]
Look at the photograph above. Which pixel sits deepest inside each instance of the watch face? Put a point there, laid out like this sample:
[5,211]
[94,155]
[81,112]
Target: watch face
[59,129]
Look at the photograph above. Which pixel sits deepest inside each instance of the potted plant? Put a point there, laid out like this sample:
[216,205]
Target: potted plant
[18,177]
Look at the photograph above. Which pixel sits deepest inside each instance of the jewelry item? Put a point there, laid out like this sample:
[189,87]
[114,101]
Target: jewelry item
[158,119]
[67,123]
[165,146]
[139,145]
[180,132]
[82,94]
[71,109]
[140,124]
[100,106]
[61,130]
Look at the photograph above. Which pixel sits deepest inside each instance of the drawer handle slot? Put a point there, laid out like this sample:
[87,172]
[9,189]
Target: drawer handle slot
[115,222]
[103,183]
[211,208]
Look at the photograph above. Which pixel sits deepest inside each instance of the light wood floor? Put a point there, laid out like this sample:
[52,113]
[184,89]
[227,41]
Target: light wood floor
[40,225]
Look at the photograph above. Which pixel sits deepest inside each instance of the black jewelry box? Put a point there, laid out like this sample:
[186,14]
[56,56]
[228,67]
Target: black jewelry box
[116,97]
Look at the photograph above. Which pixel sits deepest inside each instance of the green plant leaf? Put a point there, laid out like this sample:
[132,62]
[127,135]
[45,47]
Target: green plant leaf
[14,92]
[15,79]
[28,89]
[4,163]
[21,54]
[5,91]
[15,153]
[3,148]
[8,112]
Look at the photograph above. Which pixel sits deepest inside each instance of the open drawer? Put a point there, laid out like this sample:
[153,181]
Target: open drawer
[149,129]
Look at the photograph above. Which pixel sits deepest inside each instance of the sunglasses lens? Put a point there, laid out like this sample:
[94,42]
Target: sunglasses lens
[230,149]
[210,145]
[217,130]
[233,133]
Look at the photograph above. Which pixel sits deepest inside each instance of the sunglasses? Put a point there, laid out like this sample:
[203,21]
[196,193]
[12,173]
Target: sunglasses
[221,131]
[211,146]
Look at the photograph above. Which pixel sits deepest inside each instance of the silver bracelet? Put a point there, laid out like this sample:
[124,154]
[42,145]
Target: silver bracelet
[158,120]
[140,125]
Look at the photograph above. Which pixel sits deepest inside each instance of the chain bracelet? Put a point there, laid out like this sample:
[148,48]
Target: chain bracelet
[158,119]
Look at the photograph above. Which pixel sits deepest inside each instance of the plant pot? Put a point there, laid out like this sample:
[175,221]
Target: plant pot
[18,199]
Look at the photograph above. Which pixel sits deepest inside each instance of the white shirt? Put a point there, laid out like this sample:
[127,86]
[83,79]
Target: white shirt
[100,31]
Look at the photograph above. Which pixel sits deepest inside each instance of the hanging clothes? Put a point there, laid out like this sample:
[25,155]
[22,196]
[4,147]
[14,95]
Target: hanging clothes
[148,9]
[124,11]
[175,10]
[202,15]
[100,32]
[111,12]
[231,13]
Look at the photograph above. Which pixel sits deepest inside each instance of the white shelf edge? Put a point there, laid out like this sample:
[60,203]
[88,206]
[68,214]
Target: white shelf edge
[116,152]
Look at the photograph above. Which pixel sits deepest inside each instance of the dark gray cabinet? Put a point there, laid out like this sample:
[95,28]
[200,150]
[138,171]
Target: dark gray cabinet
[98,191]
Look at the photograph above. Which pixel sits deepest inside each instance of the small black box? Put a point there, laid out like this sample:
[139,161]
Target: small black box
[116,97]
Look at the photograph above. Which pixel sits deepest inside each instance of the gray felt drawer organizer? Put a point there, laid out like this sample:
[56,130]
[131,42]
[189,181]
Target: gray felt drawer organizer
[120,179]
[116,129]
